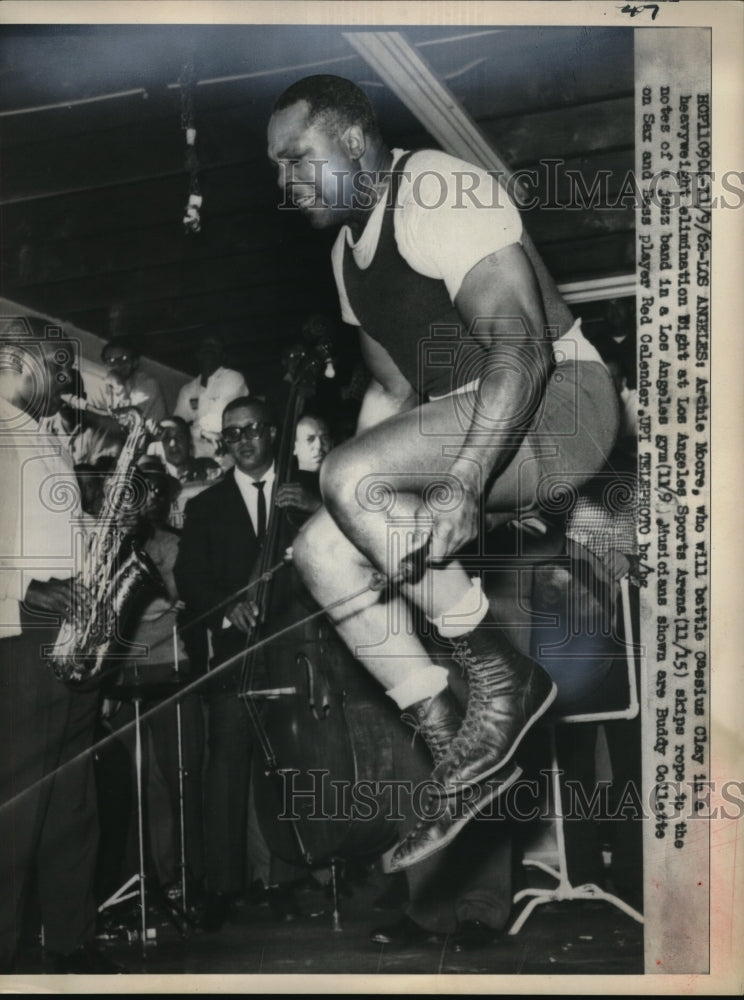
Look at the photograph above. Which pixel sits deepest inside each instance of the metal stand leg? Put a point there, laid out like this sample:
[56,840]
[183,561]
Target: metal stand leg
[179,740]
[137,879]
[181,816]
[563,890]
[334,885]
[140,823]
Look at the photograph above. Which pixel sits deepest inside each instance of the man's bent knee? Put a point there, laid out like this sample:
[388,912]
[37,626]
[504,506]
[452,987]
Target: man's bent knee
[342,475]
[311,545]
[320,550]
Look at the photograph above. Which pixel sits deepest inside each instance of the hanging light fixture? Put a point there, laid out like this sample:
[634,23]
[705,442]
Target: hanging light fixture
[192,216]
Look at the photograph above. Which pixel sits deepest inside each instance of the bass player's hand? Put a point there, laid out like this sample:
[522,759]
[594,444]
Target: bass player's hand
[243,615]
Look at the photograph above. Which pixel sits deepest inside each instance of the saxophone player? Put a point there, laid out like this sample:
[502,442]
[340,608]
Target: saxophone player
[48,812]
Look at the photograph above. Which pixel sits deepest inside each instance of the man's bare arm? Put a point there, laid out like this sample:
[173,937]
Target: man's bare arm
[388,392]
[500,300]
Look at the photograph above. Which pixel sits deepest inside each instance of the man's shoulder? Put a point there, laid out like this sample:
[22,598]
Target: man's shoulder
[433,179]
[189,386]
[423,159]
[231,377]
[434,161]
[145,380]
[203,470]
[209,497]
[231,373]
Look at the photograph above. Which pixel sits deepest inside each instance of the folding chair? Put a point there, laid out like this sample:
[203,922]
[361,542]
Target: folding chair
[587,525]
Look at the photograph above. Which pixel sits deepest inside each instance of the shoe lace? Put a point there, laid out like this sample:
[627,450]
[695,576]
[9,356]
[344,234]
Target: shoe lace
[436,738]
[471,731]
[462,654]
[415,723]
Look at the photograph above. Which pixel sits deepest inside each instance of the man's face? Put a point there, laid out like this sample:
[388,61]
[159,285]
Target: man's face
[176,443]
[209,356]
[312,443]
[121,361]
[315,170]
[158,498]
[149,501]
[252,452]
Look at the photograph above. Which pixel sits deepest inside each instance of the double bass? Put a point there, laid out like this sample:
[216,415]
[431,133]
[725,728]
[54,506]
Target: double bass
[323,725]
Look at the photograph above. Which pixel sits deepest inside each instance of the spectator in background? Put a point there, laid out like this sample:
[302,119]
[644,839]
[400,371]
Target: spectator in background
[201,402]
[312,444]
[175,448]
[126,385]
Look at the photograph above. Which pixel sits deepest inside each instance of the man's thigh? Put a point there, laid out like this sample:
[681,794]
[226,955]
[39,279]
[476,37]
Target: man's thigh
[413,451]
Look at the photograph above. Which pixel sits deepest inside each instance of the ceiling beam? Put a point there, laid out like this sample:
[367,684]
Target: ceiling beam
[117,95]
[404,70]
[406,73]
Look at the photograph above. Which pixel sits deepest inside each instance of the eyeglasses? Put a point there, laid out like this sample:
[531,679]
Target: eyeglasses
[231,435]
[158,489]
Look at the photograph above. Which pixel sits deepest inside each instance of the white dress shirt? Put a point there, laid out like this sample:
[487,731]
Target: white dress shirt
[42,524]
[249,493]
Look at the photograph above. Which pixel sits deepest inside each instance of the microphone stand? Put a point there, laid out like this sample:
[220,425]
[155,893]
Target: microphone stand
[179,738]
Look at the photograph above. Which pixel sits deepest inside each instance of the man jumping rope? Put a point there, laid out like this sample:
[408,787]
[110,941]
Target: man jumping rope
[473,404]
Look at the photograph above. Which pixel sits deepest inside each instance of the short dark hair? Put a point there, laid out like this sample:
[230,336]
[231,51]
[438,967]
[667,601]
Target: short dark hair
[175,423]
[121,342]
[267,414]
[334,99]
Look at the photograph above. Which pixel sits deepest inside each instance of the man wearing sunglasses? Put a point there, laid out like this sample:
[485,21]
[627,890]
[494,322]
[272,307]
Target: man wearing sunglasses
[126,384]
[222,538]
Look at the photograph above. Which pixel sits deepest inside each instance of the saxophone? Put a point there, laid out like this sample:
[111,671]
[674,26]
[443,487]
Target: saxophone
[117,576]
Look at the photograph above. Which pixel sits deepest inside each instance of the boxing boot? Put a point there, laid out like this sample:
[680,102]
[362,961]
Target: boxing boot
[443,816]
[507,693]
[438,719]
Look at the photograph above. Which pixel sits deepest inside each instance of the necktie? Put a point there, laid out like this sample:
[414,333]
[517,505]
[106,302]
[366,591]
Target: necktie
[261,527]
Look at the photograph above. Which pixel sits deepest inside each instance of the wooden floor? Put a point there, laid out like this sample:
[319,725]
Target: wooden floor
[577,937]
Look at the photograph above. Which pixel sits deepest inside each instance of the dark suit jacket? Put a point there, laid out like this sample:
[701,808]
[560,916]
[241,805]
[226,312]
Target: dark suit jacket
[217,553]
[216,556]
